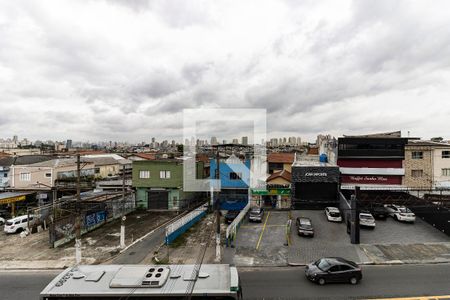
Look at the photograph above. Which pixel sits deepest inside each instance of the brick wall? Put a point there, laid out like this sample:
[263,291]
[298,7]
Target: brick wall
[424,164]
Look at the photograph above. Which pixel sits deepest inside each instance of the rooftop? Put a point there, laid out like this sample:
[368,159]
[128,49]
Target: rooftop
[287,158]
[283,174]
[428,144]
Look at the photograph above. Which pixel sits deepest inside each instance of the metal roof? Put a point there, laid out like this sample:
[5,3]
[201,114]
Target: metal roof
[95,280]
[7,195]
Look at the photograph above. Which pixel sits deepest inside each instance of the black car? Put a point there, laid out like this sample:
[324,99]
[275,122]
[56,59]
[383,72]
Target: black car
[231,215]
[379,212]
[304,227]
[333,269]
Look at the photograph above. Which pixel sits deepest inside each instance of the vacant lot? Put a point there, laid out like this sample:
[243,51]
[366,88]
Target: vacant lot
[97,245]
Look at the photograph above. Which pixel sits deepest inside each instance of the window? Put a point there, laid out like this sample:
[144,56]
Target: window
[417,155]
[334,269]
[445,154]
[5,175]
[345,268]
[48,175]
[25,177]
[97,170]
[164,174]
[144,174]
[416,173]
[235,176]
[446,172]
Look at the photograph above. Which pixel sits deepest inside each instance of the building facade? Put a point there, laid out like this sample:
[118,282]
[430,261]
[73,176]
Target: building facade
[159,184]
[372,161]
[427,165]
[278,162]
[234,180]
[47,173]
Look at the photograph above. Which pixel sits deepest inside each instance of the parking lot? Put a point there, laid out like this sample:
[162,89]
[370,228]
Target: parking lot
[331,239]
[263,244]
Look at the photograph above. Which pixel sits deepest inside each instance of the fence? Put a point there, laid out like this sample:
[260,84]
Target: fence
[180,226]
[93,215]
[438,217]
[232,229]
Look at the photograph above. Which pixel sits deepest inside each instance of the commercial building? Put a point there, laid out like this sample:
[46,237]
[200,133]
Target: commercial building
[314,184]
[372,161]
[159,184]
[234,181]
[427,165]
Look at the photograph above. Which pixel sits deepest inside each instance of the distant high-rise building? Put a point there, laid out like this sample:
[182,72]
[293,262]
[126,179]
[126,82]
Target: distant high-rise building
[153,139]
[69,144]
[224,141]
[214,140]
[245,140]
[299,141]
[15,139]
[235,141]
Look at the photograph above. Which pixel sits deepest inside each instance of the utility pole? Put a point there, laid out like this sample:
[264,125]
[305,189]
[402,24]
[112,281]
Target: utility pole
[218,256]
[78,216]
[122,223]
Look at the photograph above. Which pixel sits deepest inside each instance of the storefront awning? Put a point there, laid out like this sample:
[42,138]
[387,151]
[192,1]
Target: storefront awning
[12,197]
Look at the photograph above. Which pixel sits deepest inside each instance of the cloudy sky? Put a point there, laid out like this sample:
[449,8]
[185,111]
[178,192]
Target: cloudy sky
[125,70]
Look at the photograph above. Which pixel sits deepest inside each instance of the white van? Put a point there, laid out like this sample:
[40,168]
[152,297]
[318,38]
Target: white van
[18,224]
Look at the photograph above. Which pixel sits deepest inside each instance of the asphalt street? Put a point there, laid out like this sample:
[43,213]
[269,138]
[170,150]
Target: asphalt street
[286,283]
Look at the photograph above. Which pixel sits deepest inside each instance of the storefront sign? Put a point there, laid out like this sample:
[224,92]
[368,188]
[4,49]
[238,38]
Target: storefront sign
[279,191]
[316,174]
[371,179]
[12,199]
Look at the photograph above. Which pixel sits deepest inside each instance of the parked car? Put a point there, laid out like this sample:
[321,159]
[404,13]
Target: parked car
[333,214]
[366,219]
[379,212]
[333,269]
[231,215]
[256,214]
[2,221]
[304,227]
[18,224]
[400,213]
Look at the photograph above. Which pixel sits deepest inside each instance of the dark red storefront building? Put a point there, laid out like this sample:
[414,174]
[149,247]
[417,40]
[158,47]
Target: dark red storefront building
[372,161]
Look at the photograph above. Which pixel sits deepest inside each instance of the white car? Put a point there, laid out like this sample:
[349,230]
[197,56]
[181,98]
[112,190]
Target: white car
[333,214]
[18,224]
[366,219]
[2,221]
[400,213]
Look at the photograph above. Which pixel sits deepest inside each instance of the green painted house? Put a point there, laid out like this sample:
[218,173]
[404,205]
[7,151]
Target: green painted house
[159,184]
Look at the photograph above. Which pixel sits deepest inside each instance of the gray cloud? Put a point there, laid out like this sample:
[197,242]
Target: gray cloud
[346,67]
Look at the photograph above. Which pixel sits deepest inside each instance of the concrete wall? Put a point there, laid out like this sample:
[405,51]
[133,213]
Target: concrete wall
[108,170]
[440,163]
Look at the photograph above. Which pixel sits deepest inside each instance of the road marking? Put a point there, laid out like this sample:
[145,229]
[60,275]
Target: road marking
[262,231]
[259,226]
[416,298]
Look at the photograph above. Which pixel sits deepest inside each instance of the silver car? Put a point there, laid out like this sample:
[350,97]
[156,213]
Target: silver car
[256,214]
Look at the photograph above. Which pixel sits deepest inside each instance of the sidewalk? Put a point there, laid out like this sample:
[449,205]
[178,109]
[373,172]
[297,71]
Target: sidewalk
[424,253]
